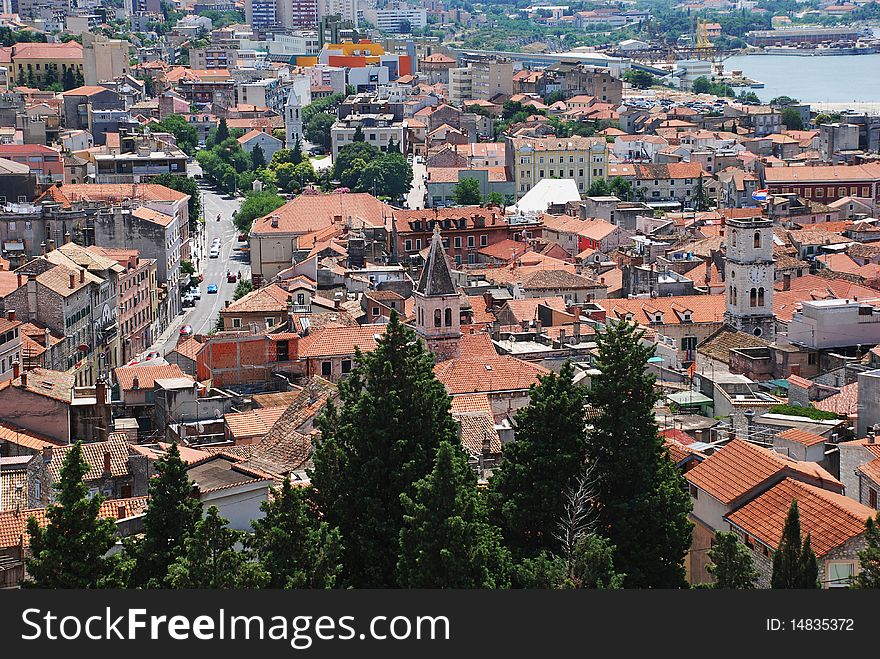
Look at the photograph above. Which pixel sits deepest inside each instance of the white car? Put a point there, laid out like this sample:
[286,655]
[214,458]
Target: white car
[195,293]
[214,253]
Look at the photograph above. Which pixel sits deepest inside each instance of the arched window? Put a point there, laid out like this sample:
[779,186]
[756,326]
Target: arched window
[757,239]
[753,297]
[733,238]
[448,314]
[437,317]
[734,294]
[761,296]
[730,295]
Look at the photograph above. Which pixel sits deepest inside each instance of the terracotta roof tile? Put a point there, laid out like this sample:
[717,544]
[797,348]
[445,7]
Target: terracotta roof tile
[471,403]
[42,381]
[831,519]
[308,213]
[340,340]
[464,375]
[93,453]
[26,438]
[253,423]
[146,375]
[477,345]
[801,437]
[846,401]
[474,429]
[271,298]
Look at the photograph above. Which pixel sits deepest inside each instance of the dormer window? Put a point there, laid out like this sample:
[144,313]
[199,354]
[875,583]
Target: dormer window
[686,317]
[658,318]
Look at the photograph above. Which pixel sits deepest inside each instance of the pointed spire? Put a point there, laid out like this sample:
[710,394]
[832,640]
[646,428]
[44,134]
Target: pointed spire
[436,277]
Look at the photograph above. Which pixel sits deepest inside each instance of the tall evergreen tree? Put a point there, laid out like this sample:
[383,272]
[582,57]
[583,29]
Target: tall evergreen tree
[258,158]
[644,501]
[528,489]
[212,561]
[222,131]
[794,563]
[869,557]
[393,147]
[358,134]
[593,565]
[70,551]
[382,439]
[170,519]
[446,540]
[295,547]
[732,564]
[296,153]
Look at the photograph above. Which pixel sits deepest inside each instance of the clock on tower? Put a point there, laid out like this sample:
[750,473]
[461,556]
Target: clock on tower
[750,273]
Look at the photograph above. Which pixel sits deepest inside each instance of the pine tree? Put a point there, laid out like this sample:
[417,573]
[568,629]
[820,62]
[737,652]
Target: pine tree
[211,560]
[358,134]
[393,147]
[446,540]
[869,557]
[296,153]
[593,565]
[222,131]
[258,159]
[382,439]
[170,519]
[794,563]
[295,547]
[732,564]
[528,490]
[644,504]
[70,552]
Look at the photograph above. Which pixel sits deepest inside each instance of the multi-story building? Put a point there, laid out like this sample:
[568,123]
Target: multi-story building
[464,231]
[826,183]
[10,344]
[583,159]
[577,79]
[379,119]
[104,59]
[396,16]
[347,10]
[213,57]
[37,61]
[297,13]
[266,93]
[483,78]
[260,14]
[44,162]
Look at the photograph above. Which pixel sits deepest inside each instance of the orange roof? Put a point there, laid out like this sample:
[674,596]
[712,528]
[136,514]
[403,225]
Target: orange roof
[23,437]
[497,373]
[271,298]
[480,313]
[831,519]
[470,403]
[113,192]
[253,422]
[86,90]
[51,51]
[189,347]
[151,215]
[527,308]
[739,467]
[93,453]
[822,173]
[308,213]
[340,341]
[477,345]
[845,402]
[13,524]
[53,384]
[801,437]
[702,308]
[146,375]
[506,249]
[871,470]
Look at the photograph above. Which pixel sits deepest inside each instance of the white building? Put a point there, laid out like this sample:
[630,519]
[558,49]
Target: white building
[378,130]
[299,95]
[689,70]
[390,18]
[822,324]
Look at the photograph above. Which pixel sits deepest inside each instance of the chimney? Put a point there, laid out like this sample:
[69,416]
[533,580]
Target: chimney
[120,511]
[24,378]
[20,280]
[43,248]
[16,370]
[72,280]
[537,327]
[100,392]
[273,221]
[487,445]
[10,315]
[525,325]
[576,329]
[82,275]
[107,462]
[561,336]
[67,237]
[51,245]
[135,382]
[786,282]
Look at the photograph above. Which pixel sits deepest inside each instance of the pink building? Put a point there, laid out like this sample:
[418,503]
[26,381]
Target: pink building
[43,161]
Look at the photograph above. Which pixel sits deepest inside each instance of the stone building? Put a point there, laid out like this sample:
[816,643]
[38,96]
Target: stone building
[437,304]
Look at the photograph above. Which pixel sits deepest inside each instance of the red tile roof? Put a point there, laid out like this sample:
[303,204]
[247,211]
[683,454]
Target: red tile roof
[308,213]
[52,384]
[340,341]
[831,519]
[464,375]
[26,438]
[50,51]
[253,423]
[801,437]
[471,403]
[146,375]
[271,298]
[93,453]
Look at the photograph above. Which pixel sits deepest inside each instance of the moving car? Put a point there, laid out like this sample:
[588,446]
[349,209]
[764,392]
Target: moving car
[214,253]
[186,330]
[212,288]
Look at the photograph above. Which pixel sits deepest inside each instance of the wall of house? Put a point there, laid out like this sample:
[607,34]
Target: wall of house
[852,456]
[40,414]
[240,505]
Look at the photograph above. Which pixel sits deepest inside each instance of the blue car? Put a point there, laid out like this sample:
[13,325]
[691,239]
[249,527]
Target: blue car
[212,288]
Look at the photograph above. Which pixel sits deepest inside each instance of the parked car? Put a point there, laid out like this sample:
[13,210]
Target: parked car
[242,238]
[196,293]
[188,300]
[186,330]
[214,253]
[212,289]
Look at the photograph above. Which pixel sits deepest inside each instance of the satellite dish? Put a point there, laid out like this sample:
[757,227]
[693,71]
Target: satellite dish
[218,414]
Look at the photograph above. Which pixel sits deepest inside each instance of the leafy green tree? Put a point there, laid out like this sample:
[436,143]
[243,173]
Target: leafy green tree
[791,118]
[543,571]
[222,131]
[170,519]
[731,563]
[242,288]
[642,493]
[599,188]
[185,134]
[350,153]
[296,547]
[383,438]
[282,157]
[620,188]
[467,192]
[780,101]
[210,559]
[593,564]
[639,79]
[187,186]
[70,551]
[258,158]
[358,134]
[317,130]
[794,563]
[256,204]
[393,147]
[389,175]
[869,557]
[751,97]
[495,199]
[304,172]
[528,490]
[446,540]
[701,85]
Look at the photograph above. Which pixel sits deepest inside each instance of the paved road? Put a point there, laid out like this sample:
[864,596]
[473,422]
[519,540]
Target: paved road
[416,197]
[203,316]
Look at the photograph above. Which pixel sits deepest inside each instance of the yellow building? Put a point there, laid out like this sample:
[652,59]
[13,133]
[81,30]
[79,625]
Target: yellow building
[34,61]
[584,159]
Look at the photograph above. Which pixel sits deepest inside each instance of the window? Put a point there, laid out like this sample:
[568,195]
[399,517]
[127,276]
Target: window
[757,240]
[407,245]
[437,315]
[418,243]
[458,242]
[346,366]
[472,241]
[753,297]
[375,311]
[872,498]
[839,574]
[761,296]
[326,369]
[270,322]
[236,322]
[448,317]
[484,241]
[811,359]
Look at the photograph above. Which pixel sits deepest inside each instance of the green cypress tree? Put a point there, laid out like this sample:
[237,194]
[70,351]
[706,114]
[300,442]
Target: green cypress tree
[644,504]
[593,564]
[794,563]
[296,153]
[295,547]
[222,131]
[170,519]
[446,540]
[382,439]
[70,551]
[869,557]
[732,564]
[358,134]
[528,489]
[258,158]
[211,560]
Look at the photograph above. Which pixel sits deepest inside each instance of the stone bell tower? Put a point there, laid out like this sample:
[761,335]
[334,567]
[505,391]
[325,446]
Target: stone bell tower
[749,271]
[437,304]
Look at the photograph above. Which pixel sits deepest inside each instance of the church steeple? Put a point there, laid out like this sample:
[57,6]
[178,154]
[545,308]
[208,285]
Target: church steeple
[437,304]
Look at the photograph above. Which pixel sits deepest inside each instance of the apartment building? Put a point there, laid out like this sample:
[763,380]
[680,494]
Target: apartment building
[481,78]
[583,159]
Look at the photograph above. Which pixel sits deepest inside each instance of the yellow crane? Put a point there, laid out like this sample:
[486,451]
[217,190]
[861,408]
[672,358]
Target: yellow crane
[704,46]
